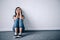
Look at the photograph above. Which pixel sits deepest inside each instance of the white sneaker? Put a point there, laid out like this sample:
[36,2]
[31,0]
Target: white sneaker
[15,34]
[20,34]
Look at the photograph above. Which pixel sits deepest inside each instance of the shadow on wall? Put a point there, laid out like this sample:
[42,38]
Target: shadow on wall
[27,23]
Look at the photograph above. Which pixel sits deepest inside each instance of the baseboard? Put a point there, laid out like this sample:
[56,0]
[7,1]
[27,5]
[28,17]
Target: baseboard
[32,30]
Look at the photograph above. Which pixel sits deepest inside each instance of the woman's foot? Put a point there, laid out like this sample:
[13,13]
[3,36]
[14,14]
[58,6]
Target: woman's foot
[20,34]
[15,34]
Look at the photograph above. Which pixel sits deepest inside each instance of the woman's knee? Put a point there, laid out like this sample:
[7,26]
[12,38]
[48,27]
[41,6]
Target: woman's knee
[16,23]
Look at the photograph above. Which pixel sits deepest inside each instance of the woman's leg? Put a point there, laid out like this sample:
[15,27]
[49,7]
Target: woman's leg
[20,27]
[20,31]
[16,31]
[16,26]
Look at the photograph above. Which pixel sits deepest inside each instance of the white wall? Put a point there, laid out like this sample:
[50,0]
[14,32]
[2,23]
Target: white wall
[39,14]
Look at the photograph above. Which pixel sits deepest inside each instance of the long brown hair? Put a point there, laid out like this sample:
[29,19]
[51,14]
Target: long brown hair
[16,9]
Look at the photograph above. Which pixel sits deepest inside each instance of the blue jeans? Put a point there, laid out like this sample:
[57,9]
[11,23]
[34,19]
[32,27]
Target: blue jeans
[18,23]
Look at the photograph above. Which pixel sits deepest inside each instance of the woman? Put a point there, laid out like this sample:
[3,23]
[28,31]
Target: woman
[18,22]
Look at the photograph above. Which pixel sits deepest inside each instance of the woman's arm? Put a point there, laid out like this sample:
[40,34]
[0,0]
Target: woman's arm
[14,18]
[22,17]
[17,16]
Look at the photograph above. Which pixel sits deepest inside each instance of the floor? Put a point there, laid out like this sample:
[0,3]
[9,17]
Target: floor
[32,35]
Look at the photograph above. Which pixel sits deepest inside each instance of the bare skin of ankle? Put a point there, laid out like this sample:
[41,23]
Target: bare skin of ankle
[20,29]
[16,30]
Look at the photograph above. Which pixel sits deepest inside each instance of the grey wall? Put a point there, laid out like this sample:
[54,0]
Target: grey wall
[39,14]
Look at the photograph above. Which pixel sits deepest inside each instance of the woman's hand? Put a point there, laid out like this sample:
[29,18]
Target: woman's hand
[17,16]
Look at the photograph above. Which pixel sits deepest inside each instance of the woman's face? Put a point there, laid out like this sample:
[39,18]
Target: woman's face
[18,10]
